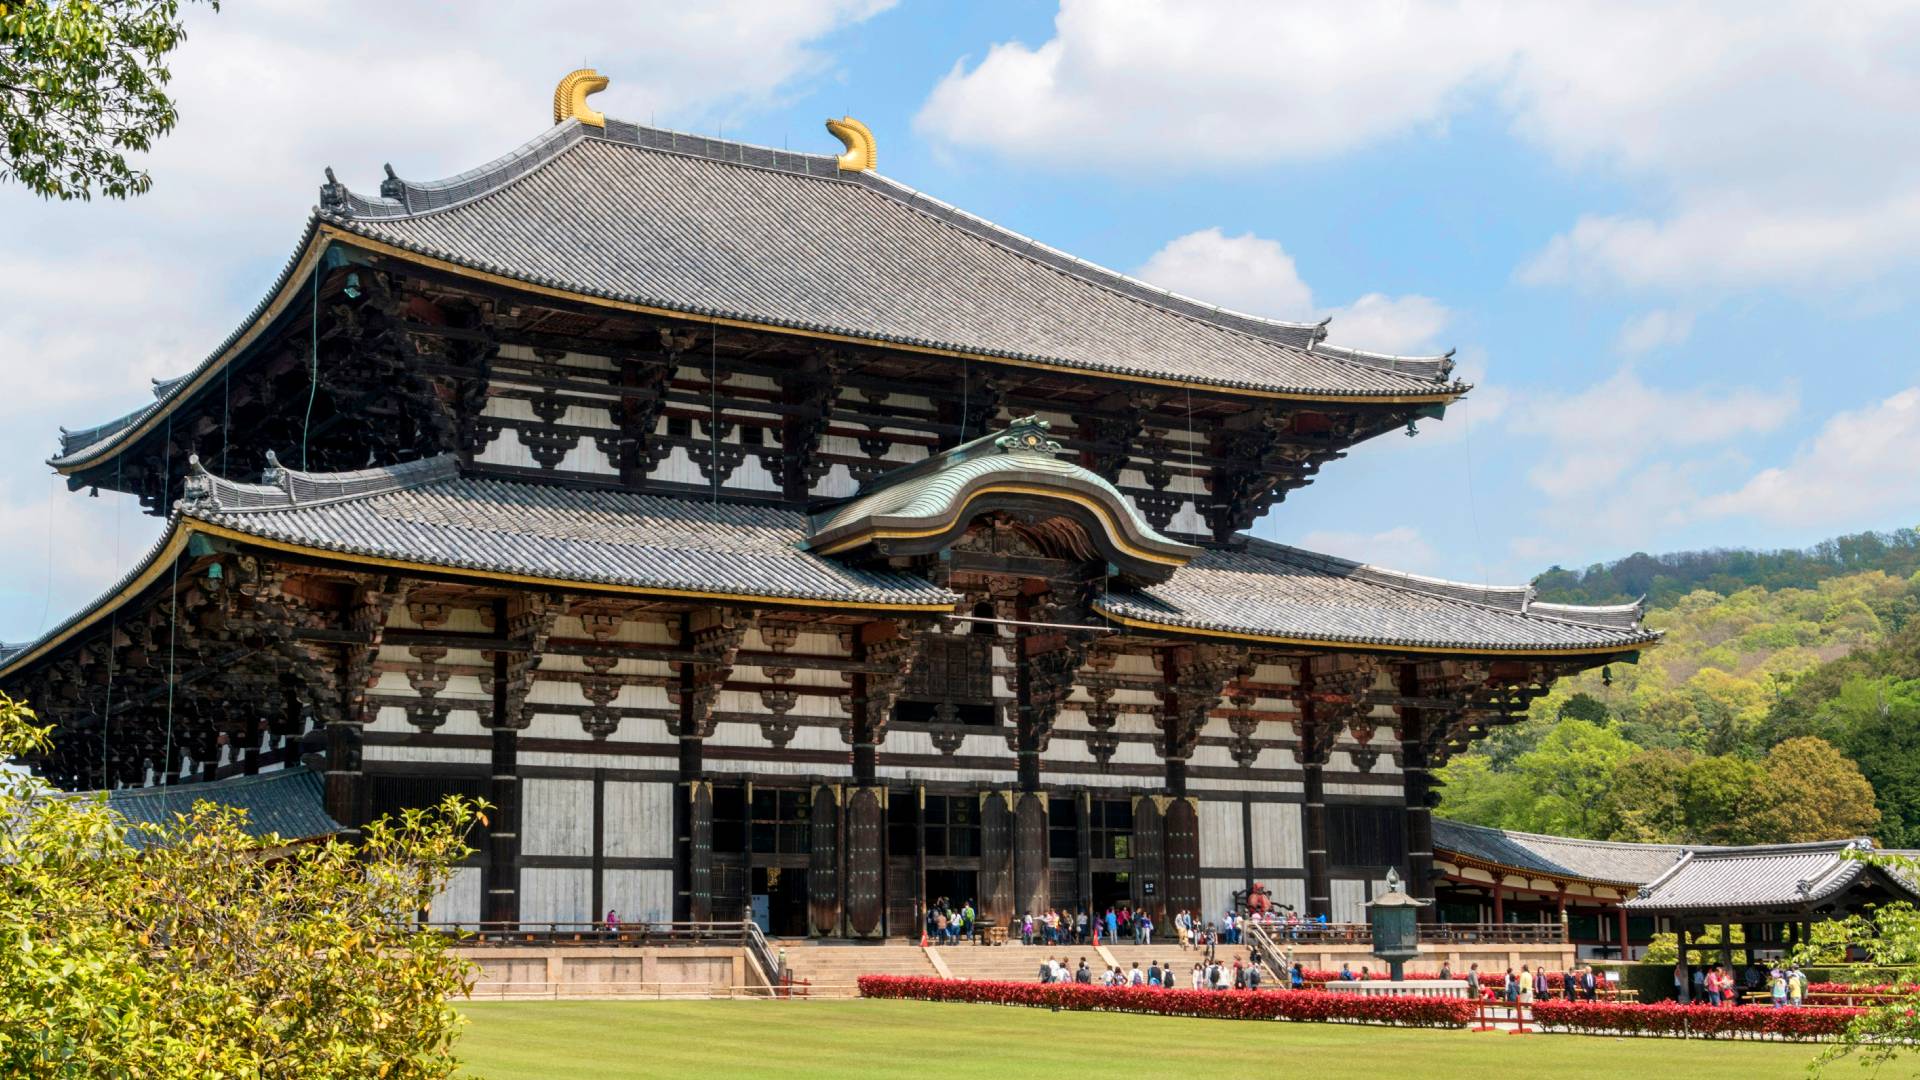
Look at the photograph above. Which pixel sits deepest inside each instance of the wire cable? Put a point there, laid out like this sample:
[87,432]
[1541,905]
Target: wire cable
[313,378]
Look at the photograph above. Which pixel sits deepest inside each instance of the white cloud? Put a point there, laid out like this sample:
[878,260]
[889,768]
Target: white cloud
[1593,438]
[1390,324]
[103,296]
[1401,548]
[1256,275]
[1652,330]
[1862,468]
[1773,147]
[1246,273]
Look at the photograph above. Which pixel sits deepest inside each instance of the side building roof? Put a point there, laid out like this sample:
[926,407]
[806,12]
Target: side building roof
[714,229]
[1769,876]
[1607,861]
[287,803]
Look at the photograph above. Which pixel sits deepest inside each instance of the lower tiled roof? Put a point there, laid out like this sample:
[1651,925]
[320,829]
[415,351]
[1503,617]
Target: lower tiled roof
[1270,590]
[289,803]
[427,513]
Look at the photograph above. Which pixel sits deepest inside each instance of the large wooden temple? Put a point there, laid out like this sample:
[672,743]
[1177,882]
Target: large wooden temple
[744,524]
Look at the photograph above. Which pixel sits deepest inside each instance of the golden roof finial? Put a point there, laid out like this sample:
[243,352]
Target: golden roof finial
[860,155]
[570,98]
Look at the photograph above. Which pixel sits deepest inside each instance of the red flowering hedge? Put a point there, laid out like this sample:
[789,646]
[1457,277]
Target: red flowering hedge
[1217,1004]
[1692,1021]
[1494,980]
[1861,993]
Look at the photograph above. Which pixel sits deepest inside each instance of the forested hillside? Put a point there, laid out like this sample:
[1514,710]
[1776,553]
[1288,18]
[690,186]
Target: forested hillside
[1771,712]
[1664,579]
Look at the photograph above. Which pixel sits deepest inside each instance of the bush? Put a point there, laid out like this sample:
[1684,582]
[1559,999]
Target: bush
[1307,1005]
[1692,1021]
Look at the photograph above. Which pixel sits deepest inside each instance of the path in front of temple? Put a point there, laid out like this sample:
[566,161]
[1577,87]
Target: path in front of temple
[870,1040]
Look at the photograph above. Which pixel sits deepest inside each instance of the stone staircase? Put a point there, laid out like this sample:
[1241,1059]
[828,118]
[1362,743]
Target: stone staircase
[1009,963]
[833,970]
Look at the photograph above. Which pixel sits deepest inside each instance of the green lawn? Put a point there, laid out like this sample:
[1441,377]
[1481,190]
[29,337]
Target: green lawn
[599,1040]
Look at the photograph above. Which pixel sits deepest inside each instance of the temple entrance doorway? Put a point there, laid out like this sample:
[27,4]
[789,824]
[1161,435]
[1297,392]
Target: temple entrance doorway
[956,887]
[1111,890]
[780,901]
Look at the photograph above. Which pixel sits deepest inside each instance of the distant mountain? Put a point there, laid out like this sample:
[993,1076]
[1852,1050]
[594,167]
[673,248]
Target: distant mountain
[1663,579]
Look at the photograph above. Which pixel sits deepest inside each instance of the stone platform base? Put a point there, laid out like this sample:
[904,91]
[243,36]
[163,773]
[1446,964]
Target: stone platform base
[589,972]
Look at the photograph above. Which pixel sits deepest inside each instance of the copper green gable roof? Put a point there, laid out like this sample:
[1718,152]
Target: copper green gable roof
[289,804]
[928,504]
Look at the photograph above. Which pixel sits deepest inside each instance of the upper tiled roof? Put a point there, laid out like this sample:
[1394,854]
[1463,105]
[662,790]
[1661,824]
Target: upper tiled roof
[1771,875]
[1270,590]
[425,512]
[287,803]
[1557,856]
[710,227]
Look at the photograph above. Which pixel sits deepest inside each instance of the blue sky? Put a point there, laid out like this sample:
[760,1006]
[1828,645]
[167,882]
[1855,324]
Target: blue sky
[1673,245]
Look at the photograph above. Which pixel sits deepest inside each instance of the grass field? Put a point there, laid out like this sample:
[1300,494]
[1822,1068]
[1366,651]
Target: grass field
[845,1040]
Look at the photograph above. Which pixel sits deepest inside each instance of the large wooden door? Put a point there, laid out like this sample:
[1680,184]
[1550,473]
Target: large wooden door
[699,850]
[1183,856]
[866,860]
[823,862]
[1148,877]
[996,857]
[1030,877]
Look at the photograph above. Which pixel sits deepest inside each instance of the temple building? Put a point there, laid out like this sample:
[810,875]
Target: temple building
[756,532]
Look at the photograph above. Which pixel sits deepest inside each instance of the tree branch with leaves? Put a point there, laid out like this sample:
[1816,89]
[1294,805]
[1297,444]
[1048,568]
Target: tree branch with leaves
[83,84]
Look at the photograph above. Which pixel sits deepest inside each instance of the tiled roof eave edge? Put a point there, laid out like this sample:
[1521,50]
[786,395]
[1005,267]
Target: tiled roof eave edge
[367,233]
[311,245]
[1128,287]
[1359,643]
[486,180]
[928,601]
[1450,855]
[171,542]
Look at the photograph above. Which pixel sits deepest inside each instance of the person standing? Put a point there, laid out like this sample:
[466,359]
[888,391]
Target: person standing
[1113,926]
[1525,986]
[1253,977]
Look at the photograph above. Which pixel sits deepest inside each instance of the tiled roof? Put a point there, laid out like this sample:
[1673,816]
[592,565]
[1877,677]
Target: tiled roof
[1270,590]
[287,803]
[1557,856]
[426,512]
[710,227]
[1771,875]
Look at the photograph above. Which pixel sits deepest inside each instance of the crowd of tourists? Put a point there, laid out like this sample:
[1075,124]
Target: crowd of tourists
[947,923]
[1785,985]
[1159,975]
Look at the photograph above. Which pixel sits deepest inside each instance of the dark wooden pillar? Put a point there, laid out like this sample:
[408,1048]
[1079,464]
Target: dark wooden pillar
[1625,945]
[1416,786]
[1314,830]
[1182,853]
[500,896]
[1083,849]
[345,781]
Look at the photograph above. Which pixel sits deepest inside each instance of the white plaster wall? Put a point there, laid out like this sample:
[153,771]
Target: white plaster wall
[1222,835]
[639,820]
[556,895]
[1276,835]
[459,901]
[556,817]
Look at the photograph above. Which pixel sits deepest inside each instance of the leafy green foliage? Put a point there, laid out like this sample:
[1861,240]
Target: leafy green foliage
[1764,716]
[195,950]
[1887,941]
[82,84]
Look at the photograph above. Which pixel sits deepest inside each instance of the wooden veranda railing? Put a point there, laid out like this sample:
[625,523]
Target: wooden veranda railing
[1318,933]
